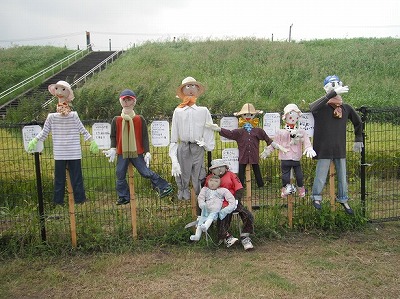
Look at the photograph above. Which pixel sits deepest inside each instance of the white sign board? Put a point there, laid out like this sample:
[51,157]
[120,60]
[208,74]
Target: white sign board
[101,134]
[271,123]
[229,123]
[28,133]
[306,122]
[160,133]
[231,157]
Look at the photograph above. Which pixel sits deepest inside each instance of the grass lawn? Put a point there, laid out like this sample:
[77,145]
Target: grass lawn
[363,264]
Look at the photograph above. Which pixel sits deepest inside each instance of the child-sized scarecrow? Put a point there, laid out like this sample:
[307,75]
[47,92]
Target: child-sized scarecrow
[215,202]
[296,141]
[330,122]
[130,143]
[65,127]
[189,138]
[248,137]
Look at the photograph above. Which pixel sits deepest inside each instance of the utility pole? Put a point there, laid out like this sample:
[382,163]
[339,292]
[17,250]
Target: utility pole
[290,32]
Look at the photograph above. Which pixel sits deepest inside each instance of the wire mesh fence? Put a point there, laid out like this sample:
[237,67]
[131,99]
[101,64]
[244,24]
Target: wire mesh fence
[26,179]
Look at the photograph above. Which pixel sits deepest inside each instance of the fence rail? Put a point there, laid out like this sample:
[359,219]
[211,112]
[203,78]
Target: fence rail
[373,177]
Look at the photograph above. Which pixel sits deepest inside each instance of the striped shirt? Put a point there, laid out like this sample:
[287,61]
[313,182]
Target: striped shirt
[65,132]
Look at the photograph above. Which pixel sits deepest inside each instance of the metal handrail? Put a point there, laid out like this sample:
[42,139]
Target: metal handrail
[84,76]
[55,65]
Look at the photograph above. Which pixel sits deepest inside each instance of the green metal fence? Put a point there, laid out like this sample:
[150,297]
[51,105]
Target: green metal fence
[27,179]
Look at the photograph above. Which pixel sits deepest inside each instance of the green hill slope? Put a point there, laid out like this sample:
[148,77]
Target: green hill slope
[267,74]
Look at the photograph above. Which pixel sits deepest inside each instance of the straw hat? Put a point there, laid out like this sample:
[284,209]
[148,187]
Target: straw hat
[248,108]
[62,84]
[189,80]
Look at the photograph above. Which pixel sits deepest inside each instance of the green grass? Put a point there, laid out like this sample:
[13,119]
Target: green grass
[267,74]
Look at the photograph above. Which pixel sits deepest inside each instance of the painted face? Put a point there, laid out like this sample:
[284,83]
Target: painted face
[213,183]
[332,85]
[62,93]
[127,102]
[220,171]
[292,117]
[248,116]
[190,90]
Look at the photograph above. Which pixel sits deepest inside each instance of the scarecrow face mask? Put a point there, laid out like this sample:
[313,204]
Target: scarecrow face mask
[292,117]
[332,85]
[220,171]
[127,102]
[214,183]
[248,116]
[61,93]
[190,90]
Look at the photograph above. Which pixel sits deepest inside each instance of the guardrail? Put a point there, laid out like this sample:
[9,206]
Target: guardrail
[59,65]
[87,74]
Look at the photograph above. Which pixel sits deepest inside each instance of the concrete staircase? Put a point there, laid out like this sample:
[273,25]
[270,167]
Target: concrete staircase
[69,74]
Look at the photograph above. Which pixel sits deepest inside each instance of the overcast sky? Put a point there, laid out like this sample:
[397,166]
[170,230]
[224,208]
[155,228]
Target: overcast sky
[129,22]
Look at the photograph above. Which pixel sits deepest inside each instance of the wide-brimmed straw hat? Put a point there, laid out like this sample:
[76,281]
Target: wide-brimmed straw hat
[189,80]
[52,89]
[218,163]
[248,108]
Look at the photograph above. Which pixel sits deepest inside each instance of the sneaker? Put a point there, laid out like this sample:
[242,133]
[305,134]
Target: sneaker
[166,191]
[229,241]
[288,189]
[302,191]
[246,242]
[122,201]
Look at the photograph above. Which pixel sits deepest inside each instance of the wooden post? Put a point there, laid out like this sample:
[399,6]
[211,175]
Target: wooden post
[332,195]
[248,188]
[290,199]
[133,200]
[71,208]
[193,202]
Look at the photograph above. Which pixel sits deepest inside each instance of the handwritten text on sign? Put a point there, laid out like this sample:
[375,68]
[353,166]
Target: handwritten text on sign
[160,133]
[101,134]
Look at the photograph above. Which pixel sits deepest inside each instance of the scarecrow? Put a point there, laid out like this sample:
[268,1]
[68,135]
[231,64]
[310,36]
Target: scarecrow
[65,127]
[330,121]
[296,141]
[215,202]
[189,138]
[248,137]
[130,144]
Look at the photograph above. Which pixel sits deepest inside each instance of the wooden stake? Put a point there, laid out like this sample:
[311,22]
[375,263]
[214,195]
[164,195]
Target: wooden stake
[71,208]
[193,202]
[133,200]
[332,195]
[248,188]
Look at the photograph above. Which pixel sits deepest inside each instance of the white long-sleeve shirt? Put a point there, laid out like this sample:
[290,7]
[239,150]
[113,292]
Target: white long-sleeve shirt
[188,125]
[65,131]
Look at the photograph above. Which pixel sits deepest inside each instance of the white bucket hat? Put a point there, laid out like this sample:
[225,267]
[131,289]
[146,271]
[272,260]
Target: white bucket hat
[288,108]
[218,163]
[52,89]
[189,80]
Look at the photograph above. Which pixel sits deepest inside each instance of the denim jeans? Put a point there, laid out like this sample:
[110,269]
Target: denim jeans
[122,186]
[321,173]
[75,173]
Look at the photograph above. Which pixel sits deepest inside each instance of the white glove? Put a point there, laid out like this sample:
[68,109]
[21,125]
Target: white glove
[111,153]
[200,142]
[309,152]
[213,127]
[341,89]
[173,152]
[279,147]
[267,152]
[147,158]
[357,147]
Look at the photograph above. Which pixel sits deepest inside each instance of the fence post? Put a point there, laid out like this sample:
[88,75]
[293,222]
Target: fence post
[364,112]
[71,209]
[133,200]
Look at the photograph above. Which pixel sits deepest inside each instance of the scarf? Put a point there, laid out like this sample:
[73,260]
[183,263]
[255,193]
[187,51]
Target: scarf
[253,122]
[187,101]
[336,104]
[63,108]
[129,149]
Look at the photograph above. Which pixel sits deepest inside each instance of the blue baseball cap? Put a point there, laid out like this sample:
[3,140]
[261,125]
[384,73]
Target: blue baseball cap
[127,93]
[332,78]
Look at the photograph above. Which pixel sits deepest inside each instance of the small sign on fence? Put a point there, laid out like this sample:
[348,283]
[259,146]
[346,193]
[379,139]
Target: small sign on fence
[101,134]
[271,123]
[160,133]
[229,123]
[306,122]
[231,157]
[28,133]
